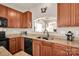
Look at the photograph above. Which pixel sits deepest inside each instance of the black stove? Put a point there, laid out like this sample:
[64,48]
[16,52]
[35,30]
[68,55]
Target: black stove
[3,40]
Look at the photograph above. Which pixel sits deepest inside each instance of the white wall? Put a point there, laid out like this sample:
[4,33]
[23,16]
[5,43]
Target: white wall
[12,30]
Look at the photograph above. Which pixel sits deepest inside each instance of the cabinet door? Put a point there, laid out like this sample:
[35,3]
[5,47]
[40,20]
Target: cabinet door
[3,11]
[74,51]
[36,47]
[12,45]
[22,43]
[59,50]
[27,19]
[15,44]
[24,22]
[46,49]
[63,14]
[18,44]
[76,13]
[72,14]
[11,18]
[18,19]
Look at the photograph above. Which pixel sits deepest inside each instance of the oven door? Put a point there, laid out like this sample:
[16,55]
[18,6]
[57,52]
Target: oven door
[4,43]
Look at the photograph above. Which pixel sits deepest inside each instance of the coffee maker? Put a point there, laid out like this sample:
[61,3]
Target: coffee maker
[70,36]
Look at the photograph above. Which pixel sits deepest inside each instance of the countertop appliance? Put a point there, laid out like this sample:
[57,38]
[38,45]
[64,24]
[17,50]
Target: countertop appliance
[28,45]
[69,36]
[3,40]
[3,22]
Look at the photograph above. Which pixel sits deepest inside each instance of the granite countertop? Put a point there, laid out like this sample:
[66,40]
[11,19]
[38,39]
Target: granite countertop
[53,39]
[57,39]
[13,35]
[4,52]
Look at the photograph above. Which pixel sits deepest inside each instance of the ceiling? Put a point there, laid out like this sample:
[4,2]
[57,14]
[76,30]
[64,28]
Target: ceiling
[22,6]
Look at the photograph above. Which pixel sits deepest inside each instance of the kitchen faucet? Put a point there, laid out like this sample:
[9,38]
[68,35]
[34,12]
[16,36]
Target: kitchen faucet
[46,33]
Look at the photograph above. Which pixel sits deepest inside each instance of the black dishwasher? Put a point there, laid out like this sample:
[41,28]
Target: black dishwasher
[28,45]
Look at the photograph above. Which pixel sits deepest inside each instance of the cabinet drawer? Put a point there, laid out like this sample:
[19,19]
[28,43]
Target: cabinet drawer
[60,47]
[46,43]
[36,42]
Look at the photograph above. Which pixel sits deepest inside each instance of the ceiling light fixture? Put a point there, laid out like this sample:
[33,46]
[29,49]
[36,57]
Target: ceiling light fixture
[43,10]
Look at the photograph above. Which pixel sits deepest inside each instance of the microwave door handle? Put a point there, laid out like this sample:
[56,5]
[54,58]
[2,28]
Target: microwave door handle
[0,23]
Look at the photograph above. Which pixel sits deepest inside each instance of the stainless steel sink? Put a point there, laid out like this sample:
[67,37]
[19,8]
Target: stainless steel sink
[43,37]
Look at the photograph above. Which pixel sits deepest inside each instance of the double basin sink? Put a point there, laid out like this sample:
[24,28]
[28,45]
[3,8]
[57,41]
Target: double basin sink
[43,38]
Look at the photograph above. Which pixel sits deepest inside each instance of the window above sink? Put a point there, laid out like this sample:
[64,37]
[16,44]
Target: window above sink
[39,24]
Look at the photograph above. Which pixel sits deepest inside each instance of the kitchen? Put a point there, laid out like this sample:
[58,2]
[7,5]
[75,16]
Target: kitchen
[39,29]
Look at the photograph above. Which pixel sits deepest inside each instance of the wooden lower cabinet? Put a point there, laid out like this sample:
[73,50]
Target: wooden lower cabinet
[36,47]
[15,44]
[12,45]
[46,49]
[60,50]
[49,49]
[41,48]
[74,51]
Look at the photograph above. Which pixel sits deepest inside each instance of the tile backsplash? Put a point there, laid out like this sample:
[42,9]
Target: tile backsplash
[60,31]
[12,30]
[64,30]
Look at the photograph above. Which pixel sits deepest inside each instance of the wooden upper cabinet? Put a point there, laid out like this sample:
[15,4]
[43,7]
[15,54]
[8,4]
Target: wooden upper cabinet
[68,14]
[3,11]
[63,11]
[75,15]
[11,18]
[24,21]
[14,18]
[27,19]
[18,19]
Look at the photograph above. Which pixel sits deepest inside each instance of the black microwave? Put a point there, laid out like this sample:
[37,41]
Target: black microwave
[3,22]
